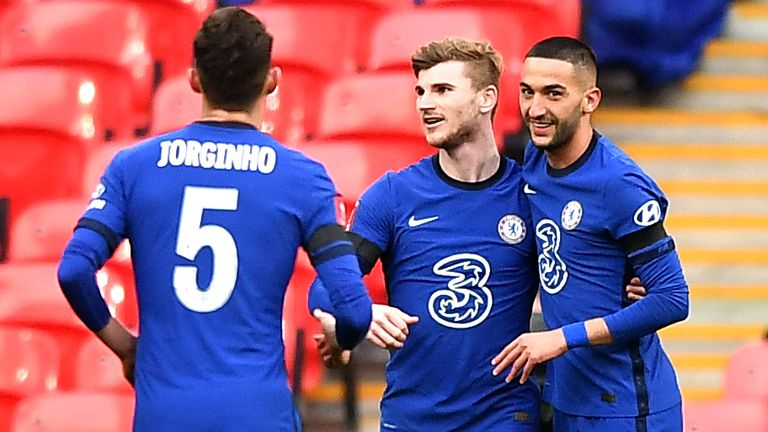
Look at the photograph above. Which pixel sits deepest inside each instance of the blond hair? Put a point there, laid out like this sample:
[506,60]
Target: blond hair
[483,63]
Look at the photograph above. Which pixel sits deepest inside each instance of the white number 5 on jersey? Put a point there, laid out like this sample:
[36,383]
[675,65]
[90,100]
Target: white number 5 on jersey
[193,236]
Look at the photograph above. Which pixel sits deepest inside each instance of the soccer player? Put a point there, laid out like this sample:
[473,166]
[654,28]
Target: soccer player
[215,213]
[454,234]
[599,219]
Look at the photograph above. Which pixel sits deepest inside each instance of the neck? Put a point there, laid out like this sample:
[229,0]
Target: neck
[251,117]
[472,161]
[573,149]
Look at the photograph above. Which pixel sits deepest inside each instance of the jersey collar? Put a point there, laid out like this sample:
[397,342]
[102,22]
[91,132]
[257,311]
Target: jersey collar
[562,172]
[490,181]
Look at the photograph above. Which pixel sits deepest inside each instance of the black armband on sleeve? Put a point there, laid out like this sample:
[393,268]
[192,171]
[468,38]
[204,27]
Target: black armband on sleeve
[648,243]
[367,252]
[113,240]
[328,242]
[643,238]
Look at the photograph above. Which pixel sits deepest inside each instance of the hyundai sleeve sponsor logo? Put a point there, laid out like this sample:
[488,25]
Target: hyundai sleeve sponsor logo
[648,213]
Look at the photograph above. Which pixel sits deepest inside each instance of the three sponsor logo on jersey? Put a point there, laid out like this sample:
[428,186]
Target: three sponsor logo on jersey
[466,301]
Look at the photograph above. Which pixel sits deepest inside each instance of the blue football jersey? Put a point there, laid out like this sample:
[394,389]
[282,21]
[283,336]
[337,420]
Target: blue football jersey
[580,213]
[214,213]
[461,257]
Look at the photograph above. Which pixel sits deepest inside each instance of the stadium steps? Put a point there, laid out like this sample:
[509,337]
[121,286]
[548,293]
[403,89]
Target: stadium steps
[706,142]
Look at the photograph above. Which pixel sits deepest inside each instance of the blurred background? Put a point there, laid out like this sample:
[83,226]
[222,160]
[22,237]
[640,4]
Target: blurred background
[685,94]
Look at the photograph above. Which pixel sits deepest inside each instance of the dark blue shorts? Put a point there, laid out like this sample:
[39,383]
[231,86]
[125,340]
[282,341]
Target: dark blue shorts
[669,420]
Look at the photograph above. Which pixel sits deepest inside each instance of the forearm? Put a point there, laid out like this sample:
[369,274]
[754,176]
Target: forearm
[350,301]
[119,340]
[77,278]
[665,304]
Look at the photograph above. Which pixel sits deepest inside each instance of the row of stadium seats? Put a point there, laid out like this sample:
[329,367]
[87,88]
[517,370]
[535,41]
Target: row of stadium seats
[111,44]
[95,74]
[745,406]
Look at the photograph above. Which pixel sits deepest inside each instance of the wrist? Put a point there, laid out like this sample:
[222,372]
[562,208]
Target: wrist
[576,335]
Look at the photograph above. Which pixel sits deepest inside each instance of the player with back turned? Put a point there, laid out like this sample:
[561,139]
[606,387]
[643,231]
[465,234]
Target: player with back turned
[215,213]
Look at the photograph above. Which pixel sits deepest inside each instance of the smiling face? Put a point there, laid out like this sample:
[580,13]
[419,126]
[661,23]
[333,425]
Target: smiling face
[552,99]
[449,105]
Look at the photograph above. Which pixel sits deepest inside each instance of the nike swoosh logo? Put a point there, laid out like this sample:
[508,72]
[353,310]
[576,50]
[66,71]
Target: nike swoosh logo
[527,189]
[413,222]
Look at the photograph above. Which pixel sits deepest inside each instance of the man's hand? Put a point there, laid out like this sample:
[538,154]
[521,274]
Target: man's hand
[129,364]
[528,350]
[330,351]
[122,343]
[389,326]
[635,289]
[332,357]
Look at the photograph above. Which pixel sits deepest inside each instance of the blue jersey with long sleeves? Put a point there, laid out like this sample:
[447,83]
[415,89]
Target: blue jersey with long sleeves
[581,213]
[461,257]
[215,213]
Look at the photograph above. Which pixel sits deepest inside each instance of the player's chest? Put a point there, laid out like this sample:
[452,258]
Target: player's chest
[492,220]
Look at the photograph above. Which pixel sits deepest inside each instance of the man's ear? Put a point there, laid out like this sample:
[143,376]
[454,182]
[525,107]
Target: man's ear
[194,80]
[591,100]
[274,76]
[489,98]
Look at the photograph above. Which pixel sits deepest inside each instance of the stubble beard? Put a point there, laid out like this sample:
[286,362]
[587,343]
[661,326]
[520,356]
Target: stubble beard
[565,129]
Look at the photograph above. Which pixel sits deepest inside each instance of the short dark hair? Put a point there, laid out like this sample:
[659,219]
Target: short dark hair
[566,49]
[232,54]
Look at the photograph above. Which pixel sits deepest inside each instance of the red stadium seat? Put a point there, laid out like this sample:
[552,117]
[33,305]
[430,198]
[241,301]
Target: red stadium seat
[398,35]
[314,43]
[371,105]
[288,111]
[29,365]
[31,298]
[75,412]
[45,133]
[175,105]
[43,230]
[370,4]
[172,50]
[356,164]
[105,40]
[746,375]
[540,18]
[730,415]
[98,369]
[96,163]
[318,38]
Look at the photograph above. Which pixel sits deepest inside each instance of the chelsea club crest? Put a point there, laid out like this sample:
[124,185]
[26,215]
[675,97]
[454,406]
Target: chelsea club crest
[512,229]
[571,215]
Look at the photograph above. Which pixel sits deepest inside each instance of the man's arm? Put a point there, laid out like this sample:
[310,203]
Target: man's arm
[657,265]
[86,252]
[389,325]
[332,255]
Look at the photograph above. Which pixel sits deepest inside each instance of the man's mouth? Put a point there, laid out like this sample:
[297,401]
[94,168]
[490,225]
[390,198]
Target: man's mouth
[433,121]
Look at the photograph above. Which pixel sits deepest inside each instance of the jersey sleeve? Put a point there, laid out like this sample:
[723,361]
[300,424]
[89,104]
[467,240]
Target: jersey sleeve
[373,217]
[97,235]
[635,202]
[332,254]
[371,223]
[106,213]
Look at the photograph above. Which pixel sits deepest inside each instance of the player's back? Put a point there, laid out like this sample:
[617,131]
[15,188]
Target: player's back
[215,213]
